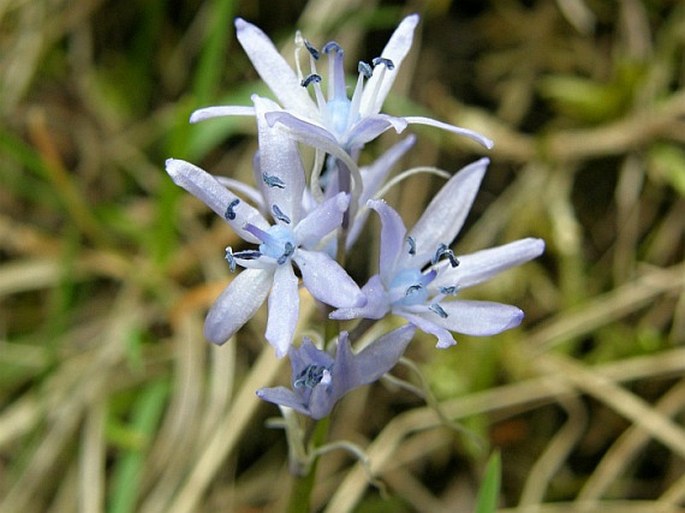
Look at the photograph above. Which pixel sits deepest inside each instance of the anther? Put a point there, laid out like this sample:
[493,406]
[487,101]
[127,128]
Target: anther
[230,258]
[310,376]
[438,310]
[312,50]
[248,254]
[289,250]
[230,214]
[332,46]
[412,289]
[273,181]
[278,214]
[443,250]
[365,69]
[382,60]
[309,79]
[448,291]
[412,245]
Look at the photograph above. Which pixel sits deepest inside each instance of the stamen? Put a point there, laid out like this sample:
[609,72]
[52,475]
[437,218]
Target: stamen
[310,376]
[273,181]
[412,289]
[312,50]
[248,254]
[289,250]
[365,69]
[412,245]
[382,60]
[443,250]
[278,214]
[438,310]
[230,259]
[309,79]
[332,46]
[230,214]
[448,291]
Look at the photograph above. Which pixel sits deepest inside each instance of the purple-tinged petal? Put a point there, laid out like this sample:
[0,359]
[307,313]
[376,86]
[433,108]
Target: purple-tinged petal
[221,111]
[237,304]
[279,163]
[479,138]
[446,213]
[377,304]
[427,325]
[482,265]
[206,188]
[284,397]
[479,318]
[325,218]
[370,127]
[393,233]
[397,48]
[284,306]
[246,191]
[273,68]
[382,354]
[326,280]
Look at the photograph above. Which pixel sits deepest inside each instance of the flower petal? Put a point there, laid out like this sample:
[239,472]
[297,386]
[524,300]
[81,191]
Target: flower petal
[284,397]
[221,111]
[382,354]
[206,188]
[284,307]
[482,265]
[445,338]
[237,304]
[445,214]
[479,318]
[273,68]
[326,280]
[325,218]
[393,234]
[376,306]
[420,120]
[279,163]
[396,50]
[370,127]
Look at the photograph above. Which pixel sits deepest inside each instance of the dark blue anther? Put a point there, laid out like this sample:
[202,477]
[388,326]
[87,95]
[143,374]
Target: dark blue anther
[443,250]
[332,46]
[448,291]
[438,310]
[248,254]
[365,69]
[289,250]
[230,214]
[382,60]
[230,259]
[310,376]
[412,289]
[309,79]
[312,50]
[412,245]
[273,181]
[278,214]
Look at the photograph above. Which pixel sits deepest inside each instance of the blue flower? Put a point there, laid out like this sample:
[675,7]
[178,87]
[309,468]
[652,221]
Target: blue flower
[318,380]
[419,273]
[334,123]
[293,239]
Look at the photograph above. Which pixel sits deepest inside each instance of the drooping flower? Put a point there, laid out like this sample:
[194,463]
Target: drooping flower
[319,380]
[293,239]
[419,273]
[334,123]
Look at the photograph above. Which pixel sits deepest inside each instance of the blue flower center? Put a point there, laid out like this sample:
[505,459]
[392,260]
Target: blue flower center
[278,242]
[310,376]
[409,287]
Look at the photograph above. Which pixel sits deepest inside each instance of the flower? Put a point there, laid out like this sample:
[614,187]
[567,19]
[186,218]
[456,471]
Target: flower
[292,239]
[336,124]
[319,380]
[419,272]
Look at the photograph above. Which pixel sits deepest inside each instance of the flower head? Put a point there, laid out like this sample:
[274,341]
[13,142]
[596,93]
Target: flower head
[419,273]
[319,380]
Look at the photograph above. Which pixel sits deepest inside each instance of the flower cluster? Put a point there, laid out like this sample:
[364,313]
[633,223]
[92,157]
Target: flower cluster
[299,225]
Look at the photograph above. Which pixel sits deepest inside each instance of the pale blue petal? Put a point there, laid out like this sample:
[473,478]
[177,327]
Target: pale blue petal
[273,68]
[221,111]
[479,318]
[445,338]
[381,355]
[475,136]
[370,127]
[396,50]
[482,265]
[279,159]
[393,233]
[284,306]
[207,189]
[377,304]
[446,213]
[237,304]
[326,280]
[321,221]
[284,397]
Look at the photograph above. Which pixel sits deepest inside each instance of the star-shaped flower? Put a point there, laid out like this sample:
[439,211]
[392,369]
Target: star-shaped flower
[293,239]
[319,380]
[419,272]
